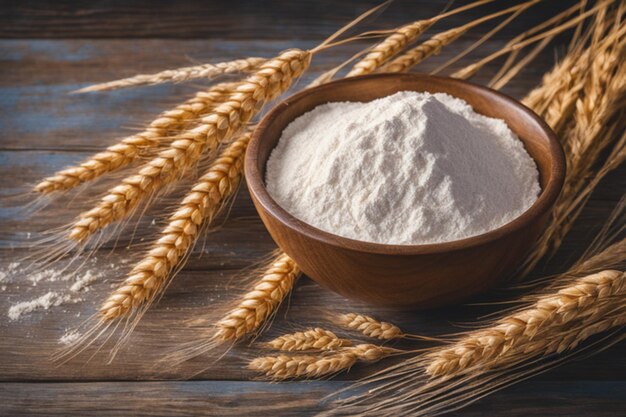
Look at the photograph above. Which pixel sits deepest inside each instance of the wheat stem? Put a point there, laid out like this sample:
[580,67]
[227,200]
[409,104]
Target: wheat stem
[472,69]
[205,71]
[271,79]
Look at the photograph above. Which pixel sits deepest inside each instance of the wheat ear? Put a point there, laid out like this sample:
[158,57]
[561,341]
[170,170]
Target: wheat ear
[129,149]
[434,45]
[399,39]
[597,117]
[205,71]
[369,326]
[261,302]
[198,207]
[312,339]
[315,366]
[272,78]
[536,330]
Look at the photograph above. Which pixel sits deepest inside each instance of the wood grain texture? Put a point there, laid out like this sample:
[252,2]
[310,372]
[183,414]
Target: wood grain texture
[216,398]
[44,129]
[238,19]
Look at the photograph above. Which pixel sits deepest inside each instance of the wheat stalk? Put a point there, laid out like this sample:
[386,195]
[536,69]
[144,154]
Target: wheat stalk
[205,71]
[315,366]
[530,331]
[399,39]
[198,207]
[369,326]
[434,45]
[129,149]
[271,79]
[261,302]
[312,339]
[472,69]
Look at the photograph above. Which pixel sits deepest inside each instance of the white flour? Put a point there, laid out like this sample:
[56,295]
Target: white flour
[411,168]
[78,282]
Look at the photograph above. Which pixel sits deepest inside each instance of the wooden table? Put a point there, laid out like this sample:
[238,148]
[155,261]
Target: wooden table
[50,49]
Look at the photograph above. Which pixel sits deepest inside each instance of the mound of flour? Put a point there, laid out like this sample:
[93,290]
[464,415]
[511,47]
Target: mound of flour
[410,168]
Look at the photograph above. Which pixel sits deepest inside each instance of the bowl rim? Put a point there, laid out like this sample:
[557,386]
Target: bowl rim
[258,190]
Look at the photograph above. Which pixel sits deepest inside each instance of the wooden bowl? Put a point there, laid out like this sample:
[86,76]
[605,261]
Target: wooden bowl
[407,276]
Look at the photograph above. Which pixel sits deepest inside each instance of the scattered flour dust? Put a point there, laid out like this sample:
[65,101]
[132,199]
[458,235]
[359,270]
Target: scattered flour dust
[78,282]
[69,337]
[410,168]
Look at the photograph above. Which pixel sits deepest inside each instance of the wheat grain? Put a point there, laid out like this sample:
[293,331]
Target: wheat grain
[272,78]
[369,326]
[399,39]
[316,366]
[129,149]
[261,302]
[205,71]
[528,332]
[198,207]
[312,339]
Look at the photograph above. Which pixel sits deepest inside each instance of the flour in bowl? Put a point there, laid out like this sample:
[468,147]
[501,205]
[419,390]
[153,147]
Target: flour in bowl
[410,168]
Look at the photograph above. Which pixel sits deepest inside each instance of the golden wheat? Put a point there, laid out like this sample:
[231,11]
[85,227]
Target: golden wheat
[205,71]
[199,207]
[129,149]
[312,339]
[531,331]
[260,303]
[271,79]
[434,45]
[399,39]
[369,326]
[315,366]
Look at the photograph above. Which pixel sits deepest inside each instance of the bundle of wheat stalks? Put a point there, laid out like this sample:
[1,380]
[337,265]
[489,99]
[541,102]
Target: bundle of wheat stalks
[582,98]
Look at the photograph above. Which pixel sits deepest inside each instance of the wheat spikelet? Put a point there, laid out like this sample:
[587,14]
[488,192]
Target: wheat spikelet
[399,39]
[426,49]
[316,366]
[261,302]
[199,206]
[206,71]
[585,301]
[129,149]
[312,339]
[369,326]
[271,79]
[434,45]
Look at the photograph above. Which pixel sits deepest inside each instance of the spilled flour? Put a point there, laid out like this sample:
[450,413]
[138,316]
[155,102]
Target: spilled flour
[78,282]
[410,168]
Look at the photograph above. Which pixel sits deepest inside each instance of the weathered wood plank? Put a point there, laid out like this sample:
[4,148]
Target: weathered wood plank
[219,398]
[44,129]
[240,19]
[37,111]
